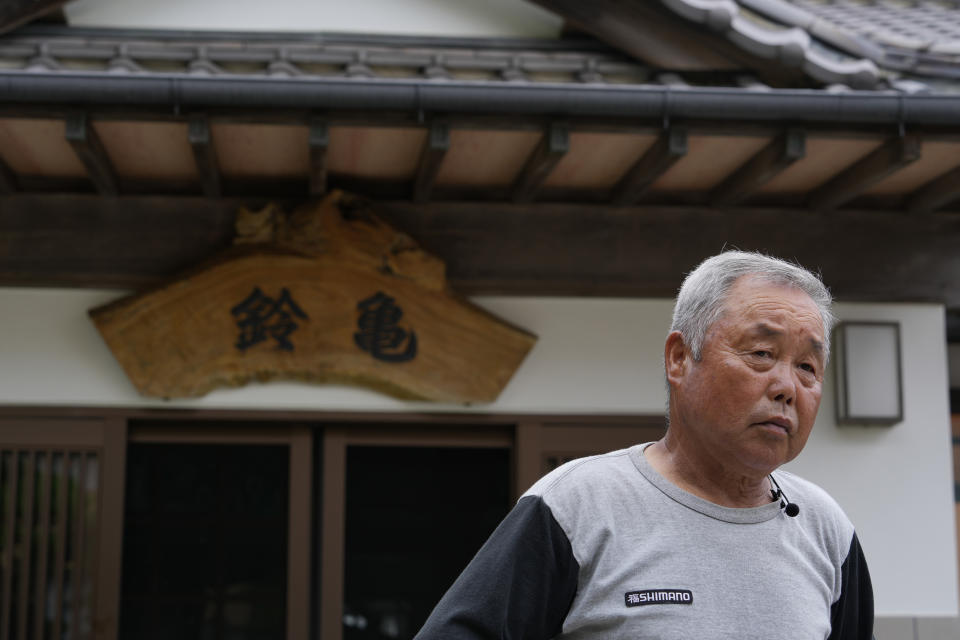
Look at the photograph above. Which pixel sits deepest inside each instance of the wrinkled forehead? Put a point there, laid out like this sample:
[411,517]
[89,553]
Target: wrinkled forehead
[751,294]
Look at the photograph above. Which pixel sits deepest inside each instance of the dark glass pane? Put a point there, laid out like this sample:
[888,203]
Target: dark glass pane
[172,480]
[205,542]
[186,565]
[415,517]
[253,618]
[256,492]
[257,558]
[149,619]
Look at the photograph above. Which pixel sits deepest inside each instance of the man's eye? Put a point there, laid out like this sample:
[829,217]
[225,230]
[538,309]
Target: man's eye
[761,354]
[808,367]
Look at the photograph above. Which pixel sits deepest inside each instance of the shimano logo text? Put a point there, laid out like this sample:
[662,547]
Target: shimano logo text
[658,596]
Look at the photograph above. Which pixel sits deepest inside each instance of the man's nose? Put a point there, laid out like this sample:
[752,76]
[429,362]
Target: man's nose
[783,386]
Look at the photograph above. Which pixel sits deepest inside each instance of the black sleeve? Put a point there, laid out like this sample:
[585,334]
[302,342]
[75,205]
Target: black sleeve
[519,585]
[851,616]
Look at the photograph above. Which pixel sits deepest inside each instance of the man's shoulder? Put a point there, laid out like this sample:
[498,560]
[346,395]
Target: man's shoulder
[586,474]
[810,491]
[819,509]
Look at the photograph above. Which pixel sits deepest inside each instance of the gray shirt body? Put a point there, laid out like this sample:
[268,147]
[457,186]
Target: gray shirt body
[606,548]
[747,573]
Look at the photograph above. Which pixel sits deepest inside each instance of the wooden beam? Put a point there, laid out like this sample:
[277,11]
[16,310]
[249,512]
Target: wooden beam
[669,147]
[499,248]
[68,237]
[766,164]
[554,144]
[940,191]
[319,141]
[435,149]
[201,141]
[549,249]
[8,180]
[887,159]
[16,12]
[91,153]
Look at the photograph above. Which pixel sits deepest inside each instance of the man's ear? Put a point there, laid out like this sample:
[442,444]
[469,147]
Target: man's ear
[675,357]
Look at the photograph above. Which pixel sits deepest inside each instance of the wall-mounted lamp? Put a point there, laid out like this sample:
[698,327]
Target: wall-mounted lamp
[869,387]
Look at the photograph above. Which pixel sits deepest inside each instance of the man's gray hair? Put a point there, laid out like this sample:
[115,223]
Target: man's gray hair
[702,296]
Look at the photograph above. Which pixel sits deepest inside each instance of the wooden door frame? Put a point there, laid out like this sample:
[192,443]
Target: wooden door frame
[300,440]
[336,439]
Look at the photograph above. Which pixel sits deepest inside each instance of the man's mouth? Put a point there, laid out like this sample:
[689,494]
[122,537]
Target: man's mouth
[778,423]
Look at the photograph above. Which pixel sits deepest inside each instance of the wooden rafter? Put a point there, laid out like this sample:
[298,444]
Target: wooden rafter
[669,147]
[887,159]
[765,165]
[554,144]
[16,12]
[91,153]
[201,141]
[434,151]
[319,141]
[940,191]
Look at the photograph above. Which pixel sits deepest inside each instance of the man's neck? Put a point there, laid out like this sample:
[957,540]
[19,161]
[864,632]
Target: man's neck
[705,477]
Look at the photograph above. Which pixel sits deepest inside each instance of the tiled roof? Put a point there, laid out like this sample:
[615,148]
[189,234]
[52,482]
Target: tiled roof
[292,56]
[908,46]
[40,50]
[932,27]
[855,42]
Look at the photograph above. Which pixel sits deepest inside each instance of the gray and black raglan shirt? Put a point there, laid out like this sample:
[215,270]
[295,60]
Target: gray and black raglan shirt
[606,548]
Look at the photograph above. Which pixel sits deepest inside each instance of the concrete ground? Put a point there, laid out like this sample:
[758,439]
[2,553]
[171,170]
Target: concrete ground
[917,629]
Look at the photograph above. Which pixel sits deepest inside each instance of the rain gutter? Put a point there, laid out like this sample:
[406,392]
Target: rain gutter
[181,94]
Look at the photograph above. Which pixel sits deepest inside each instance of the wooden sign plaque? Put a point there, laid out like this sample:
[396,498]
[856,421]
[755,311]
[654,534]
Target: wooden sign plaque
[327,294]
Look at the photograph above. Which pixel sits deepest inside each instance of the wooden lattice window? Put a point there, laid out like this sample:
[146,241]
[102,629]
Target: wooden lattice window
[49,514]
[52,537]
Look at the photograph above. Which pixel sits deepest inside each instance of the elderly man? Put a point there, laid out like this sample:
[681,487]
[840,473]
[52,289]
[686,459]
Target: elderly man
[692,536]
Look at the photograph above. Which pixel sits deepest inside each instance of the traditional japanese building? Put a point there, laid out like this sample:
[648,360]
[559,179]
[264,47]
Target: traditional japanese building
[295,301]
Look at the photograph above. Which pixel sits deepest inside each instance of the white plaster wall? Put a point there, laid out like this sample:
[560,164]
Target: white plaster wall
[593,356]
[467,18]
[585,360]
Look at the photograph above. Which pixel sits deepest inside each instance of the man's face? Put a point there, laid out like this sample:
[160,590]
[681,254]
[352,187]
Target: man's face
[751,401]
